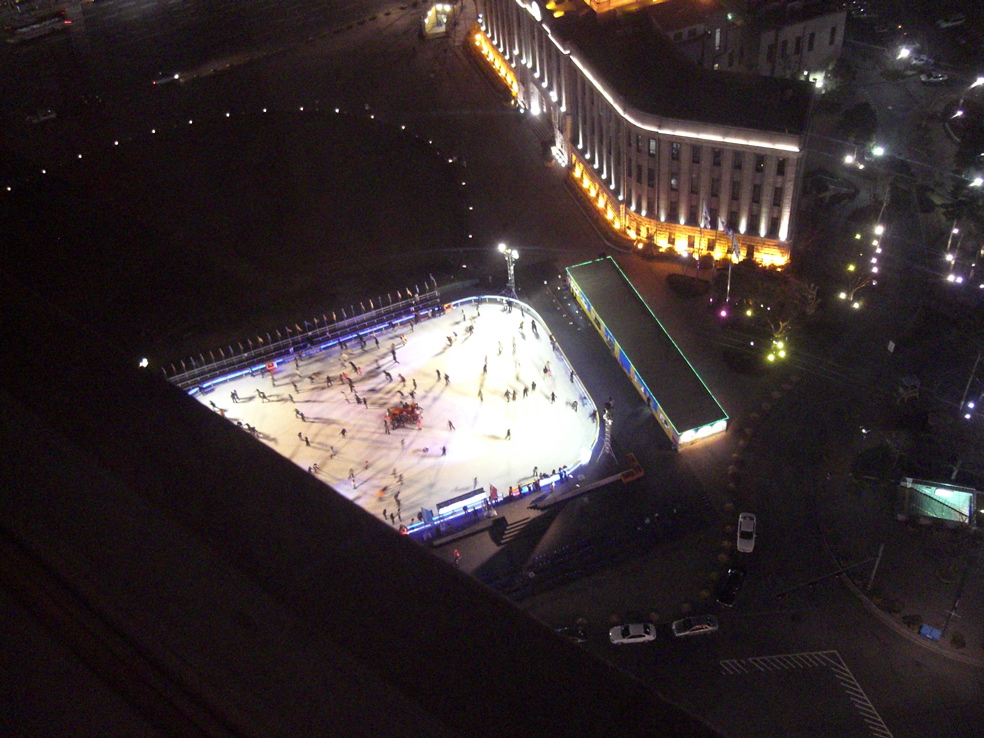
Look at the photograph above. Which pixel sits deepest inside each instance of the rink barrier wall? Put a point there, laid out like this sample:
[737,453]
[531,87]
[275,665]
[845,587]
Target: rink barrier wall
[200,375]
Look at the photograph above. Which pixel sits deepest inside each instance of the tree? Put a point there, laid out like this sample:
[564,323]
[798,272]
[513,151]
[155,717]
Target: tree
[860,123]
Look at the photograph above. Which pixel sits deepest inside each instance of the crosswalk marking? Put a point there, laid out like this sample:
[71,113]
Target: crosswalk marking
[830,660]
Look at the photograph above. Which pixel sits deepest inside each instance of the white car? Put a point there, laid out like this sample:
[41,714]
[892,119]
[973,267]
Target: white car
[746,532]
[931,78]
[949,21]
[41,116]
[633,633]
[694,625]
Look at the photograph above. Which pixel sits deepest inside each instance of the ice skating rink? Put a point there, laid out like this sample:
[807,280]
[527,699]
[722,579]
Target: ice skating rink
[435,462]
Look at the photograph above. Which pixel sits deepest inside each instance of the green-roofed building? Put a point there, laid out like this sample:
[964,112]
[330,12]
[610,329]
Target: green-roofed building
[678,397]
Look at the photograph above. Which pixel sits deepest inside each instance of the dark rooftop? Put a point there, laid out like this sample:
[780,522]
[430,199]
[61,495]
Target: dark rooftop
[659,362]
[653,76]
[673,15]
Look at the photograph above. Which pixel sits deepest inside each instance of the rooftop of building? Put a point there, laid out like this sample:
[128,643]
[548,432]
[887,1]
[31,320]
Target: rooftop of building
[673,15]
[645,69]
[658,361]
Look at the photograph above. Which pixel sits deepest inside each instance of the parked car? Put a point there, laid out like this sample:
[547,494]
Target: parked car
[933,78]
[727,590]
[954,19]
[41,116]
[746,532]
[575,634]
[694,625]
[632,633]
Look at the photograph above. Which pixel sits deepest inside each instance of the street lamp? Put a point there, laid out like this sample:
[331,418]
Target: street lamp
[511,256]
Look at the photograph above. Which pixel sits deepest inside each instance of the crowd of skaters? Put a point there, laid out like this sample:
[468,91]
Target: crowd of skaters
[380,377]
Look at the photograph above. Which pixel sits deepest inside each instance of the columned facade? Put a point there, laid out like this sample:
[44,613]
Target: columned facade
[656,180]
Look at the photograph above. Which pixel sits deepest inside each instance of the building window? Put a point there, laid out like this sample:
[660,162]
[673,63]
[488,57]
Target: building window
[783,49]
[675,151]
[798,45]
[735,190]
[716,157]
[651,177]
[732,218]
[737,160]
[639,173]
[695,154]
[674,183]
[777,196]
[652,147]
[715,187]
[692,216]
[770,53]
[693,185]
[809,41]
[780,167]
[674,210]
[651,205]
[717,39]
[638,143]
[759,162]
[731,58]
[757,193]
[774,227]
[833,35]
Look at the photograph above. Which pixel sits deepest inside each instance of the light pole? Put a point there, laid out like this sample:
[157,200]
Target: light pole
[511,256]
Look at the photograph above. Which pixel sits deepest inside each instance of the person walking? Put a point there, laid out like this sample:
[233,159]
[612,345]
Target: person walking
[526,391]
[509,434]
[447,379]
[314,468]
[450,425]
[300,436]
[393,352]
[553,397]
[438,372]
[328,380]
[444,450]
[290,397]
[533,386]
[307,441]
[303,419]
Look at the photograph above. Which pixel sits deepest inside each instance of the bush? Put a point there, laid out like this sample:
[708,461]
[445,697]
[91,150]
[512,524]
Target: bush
[913,622]
[686,286]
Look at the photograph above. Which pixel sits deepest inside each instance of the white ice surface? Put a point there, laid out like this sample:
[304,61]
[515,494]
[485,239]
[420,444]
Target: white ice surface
[544,434]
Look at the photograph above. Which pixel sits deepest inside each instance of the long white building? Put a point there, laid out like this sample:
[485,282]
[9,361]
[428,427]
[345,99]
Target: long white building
[672,155]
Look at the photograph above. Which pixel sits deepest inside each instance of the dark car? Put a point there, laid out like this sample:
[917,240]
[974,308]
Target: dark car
[729,587]
[573,633]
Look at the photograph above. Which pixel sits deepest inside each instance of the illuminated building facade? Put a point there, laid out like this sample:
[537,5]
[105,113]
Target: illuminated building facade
[670,154]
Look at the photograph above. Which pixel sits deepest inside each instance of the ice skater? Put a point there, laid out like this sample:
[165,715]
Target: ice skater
[509,434]
[450,425]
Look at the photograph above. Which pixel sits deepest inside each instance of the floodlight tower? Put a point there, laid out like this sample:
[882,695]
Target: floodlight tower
[511,256]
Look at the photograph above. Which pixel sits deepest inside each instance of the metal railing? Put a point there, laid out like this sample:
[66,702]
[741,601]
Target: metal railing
[305,339]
